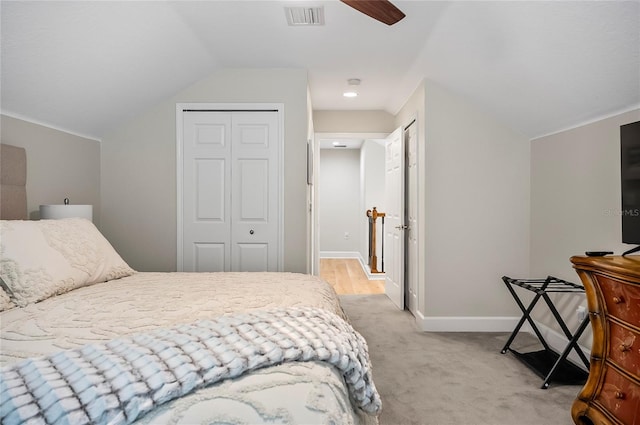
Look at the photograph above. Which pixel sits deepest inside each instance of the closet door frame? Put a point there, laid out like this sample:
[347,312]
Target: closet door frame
[226,107]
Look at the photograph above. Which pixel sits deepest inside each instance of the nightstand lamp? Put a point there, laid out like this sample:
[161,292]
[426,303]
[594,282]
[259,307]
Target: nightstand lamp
[66,210]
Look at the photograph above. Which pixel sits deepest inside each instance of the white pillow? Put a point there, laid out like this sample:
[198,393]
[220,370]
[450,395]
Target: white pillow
[39,259]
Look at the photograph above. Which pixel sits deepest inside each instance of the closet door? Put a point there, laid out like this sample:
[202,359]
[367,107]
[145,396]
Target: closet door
[230,191]
[206,195]
[254,195]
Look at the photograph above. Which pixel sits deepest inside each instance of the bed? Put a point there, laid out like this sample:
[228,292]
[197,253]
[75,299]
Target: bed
[86,339]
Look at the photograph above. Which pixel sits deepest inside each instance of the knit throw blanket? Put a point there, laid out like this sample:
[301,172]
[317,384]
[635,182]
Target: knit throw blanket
[118,382]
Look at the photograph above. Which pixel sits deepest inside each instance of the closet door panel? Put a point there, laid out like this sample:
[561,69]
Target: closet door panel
[210,194]
[252,257]
[206,200]
[209,257]
[253,175]
[254,239]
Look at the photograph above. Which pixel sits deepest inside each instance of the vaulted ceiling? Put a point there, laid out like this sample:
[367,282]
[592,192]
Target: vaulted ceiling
[539,67]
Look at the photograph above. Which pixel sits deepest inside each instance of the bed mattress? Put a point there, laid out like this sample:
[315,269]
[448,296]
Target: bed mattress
[297,392]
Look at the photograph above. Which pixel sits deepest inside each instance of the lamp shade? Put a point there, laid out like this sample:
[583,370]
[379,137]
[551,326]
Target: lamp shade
[54,212]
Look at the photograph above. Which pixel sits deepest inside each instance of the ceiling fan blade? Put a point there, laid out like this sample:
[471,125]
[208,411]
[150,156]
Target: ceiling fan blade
[380,10]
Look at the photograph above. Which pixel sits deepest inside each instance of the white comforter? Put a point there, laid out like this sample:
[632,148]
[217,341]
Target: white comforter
[289,393]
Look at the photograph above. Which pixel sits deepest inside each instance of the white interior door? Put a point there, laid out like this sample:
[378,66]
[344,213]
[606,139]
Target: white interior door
[230,191]
[206,197]
[411,170]
[254,198]
[394,220]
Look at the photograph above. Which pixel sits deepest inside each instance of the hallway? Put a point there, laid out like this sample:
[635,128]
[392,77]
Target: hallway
[347,277]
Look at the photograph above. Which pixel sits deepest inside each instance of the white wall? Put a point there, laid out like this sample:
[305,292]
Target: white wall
[139,167]
[59,165]
[353,121]
[339,189]
[575,200]
[475,212]
[477,180]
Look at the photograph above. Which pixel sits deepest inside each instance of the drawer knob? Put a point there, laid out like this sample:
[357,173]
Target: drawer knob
[620,395]
[618,300]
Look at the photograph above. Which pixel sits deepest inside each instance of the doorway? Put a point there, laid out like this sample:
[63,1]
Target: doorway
[343,195]
[410,210]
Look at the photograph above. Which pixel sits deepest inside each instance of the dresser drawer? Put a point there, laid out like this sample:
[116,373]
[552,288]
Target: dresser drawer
[622,299]
[624,348]
[620,397]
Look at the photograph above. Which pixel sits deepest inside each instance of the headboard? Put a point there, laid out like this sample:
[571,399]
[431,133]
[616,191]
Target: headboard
[13,181]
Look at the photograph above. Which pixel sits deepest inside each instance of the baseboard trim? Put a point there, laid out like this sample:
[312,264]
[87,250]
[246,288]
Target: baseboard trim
[556,340]
[340,254]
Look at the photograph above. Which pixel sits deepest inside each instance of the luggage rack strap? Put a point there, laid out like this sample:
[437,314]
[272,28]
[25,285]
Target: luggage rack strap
[550,284]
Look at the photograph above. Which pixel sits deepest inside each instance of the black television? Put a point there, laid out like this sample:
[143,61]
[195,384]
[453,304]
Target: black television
[630,184]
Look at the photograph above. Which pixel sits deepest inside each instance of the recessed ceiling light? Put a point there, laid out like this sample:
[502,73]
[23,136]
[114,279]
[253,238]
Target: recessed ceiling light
[351,89]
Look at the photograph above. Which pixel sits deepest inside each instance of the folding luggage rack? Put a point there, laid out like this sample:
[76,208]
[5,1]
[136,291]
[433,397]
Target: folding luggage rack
[547,363]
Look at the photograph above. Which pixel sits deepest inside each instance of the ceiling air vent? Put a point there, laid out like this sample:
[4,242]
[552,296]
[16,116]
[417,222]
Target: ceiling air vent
[305,15]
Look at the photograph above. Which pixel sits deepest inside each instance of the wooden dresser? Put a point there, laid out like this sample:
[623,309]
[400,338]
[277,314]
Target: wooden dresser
[612,392]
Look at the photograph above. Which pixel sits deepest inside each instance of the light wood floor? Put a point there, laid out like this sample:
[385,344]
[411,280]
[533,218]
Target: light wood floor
[347,277]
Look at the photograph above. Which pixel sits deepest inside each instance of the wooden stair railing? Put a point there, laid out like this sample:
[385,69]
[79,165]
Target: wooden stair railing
[373,258]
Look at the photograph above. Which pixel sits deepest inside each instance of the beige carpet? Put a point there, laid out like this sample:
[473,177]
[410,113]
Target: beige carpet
[452,378]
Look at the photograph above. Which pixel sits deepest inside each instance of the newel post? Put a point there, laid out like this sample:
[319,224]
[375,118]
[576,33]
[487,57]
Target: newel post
[373,258]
